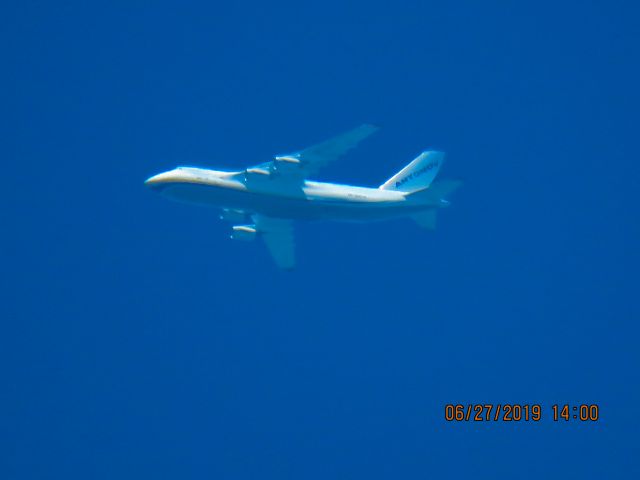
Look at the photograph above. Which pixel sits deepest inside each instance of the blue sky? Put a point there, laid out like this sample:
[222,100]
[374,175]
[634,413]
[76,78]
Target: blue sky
[137,340]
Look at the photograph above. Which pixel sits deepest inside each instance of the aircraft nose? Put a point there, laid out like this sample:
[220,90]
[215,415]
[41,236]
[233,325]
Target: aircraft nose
[151,181]
[157,180]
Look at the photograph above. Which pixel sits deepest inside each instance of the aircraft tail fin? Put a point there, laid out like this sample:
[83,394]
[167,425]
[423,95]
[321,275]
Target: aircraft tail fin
[418,175]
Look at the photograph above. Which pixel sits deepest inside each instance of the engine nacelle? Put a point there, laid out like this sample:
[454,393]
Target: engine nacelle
[246,233]
[234,216]
[288,159]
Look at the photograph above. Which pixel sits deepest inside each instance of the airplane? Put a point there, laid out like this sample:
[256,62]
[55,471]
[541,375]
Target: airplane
[263,201]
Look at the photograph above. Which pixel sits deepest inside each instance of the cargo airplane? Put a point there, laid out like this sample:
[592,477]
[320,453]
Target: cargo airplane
[264,200]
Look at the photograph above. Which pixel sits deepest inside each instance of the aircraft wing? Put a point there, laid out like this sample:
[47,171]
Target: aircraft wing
[299,165]
[278,236]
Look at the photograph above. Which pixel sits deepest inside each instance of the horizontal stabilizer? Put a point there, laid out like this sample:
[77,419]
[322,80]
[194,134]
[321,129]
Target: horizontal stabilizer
[426,219]
[439,190]
[434,196]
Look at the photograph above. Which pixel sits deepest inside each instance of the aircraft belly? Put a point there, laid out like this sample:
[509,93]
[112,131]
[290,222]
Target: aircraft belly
[286,207]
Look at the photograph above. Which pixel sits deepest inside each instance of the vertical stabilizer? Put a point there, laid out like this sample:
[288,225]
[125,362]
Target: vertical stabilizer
[418,175]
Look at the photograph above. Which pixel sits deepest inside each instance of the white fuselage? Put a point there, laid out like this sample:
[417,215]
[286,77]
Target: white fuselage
[258,193]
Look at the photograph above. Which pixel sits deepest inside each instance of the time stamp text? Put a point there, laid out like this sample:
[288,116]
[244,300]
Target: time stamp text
[515,412]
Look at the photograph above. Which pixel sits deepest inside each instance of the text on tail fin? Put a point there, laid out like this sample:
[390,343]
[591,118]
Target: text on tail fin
[418,174]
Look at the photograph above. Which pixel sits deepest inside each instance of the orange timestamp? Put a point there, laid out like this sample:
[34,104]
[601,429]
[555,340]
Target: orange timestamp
[516,412]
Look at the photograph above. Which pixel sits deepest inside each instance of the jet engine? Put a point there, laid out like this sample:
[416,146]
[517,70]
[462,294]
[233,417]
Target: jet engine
[246,233]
